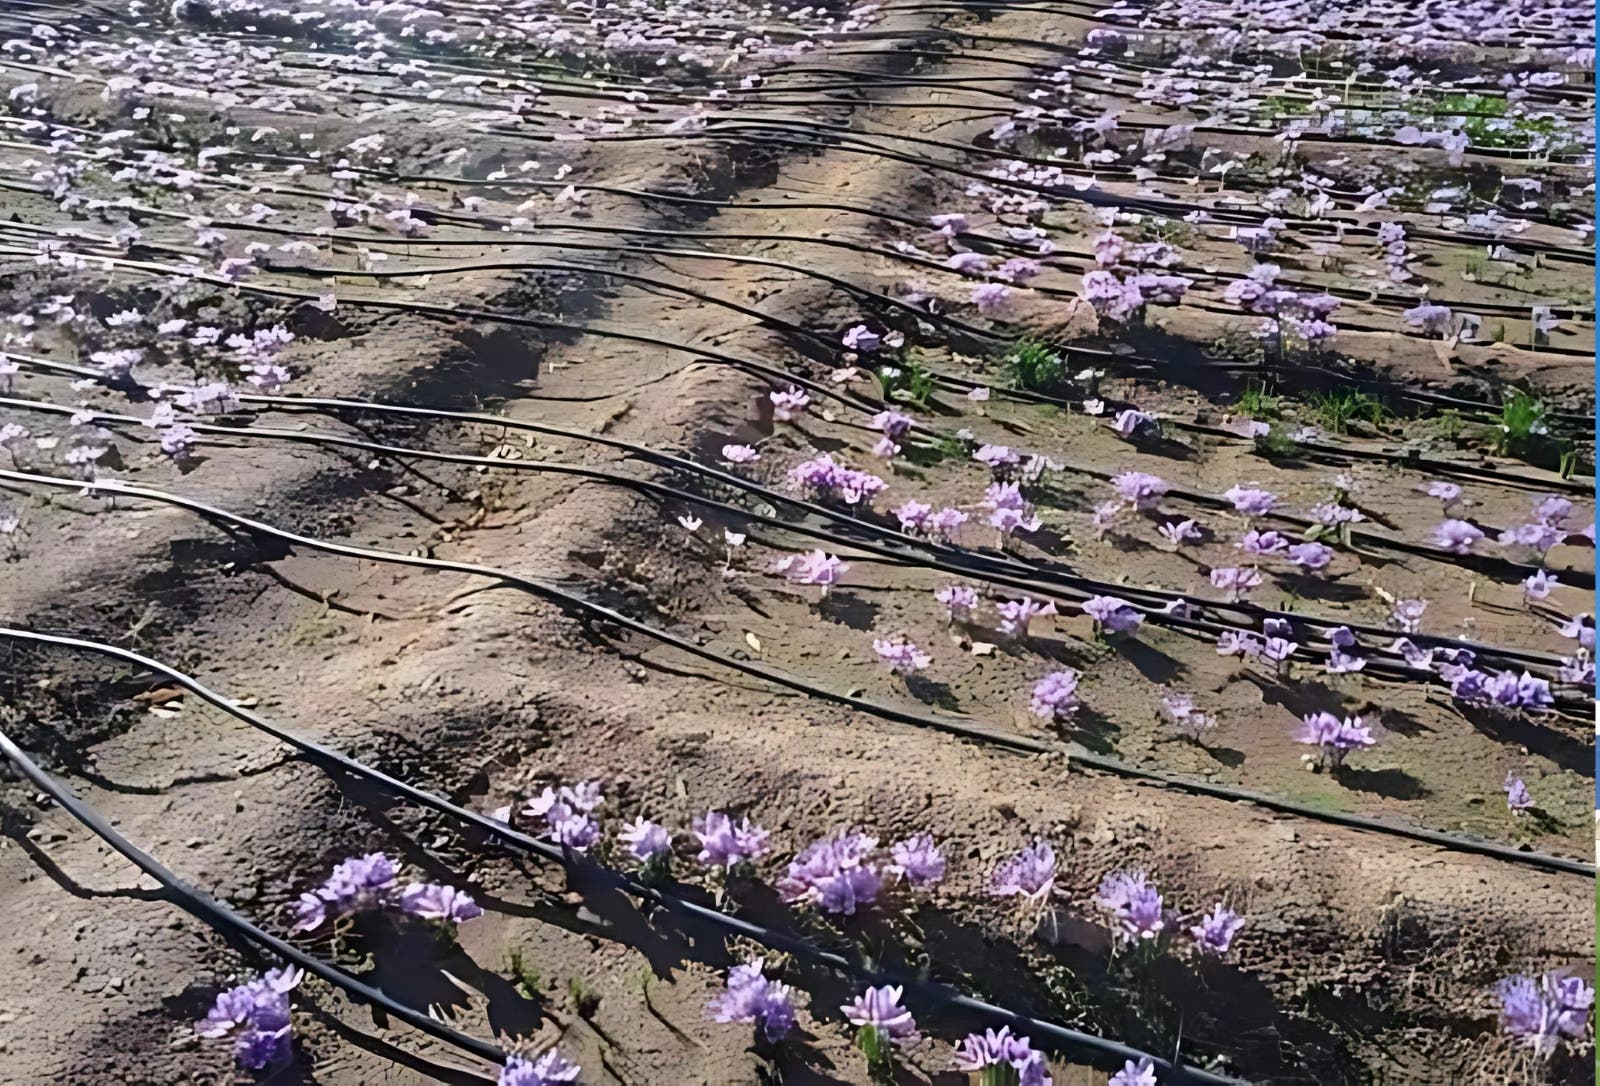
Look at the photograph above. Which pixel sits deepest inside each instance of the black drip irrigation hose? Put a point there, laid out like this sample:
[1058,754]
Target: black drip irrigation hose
[575,604]
[882,553]
[227,922]
[1005,570]
[581,872]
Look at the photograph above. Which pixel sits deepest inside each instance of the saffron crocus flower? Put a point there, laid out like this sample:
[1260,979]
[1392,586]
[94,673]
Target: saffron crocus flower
[835,874]
[1336,738]
[1447,493]
[256,1015]
[1580,627]
[813,567]
[1239,643]
[1251,501]
[943,523]
[566,814]
[881,1021]
[788,403]
[1311,557]
[861,338]
[1029,875]
[359,884]
[550,1069]
[1016,615]
[1129,421]
[1408,614]
[1539,1012]
[1552,509]
[433,901]
[1112,615]
[1135,1073]
[1001,1058]
[752,997]
[1179,533]
[912,515]
[1105,516]
[1434,320]
[990,298]
[1456,536]
[740,454]
[1332,514]
[725,843]
[1235,580]
[1134,904]
[1536,537]
[900,654]
[959,599]
[1264,544]
[1518,799]
[917,860]
[1140,489]
[1055,697]
[1213,935]
[648,842]
[1538,586]
[1179,711]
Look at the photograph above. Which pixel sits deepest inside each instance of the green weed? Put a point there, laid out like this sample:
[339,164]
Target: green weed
[1521,418]
[1033,365]
[1339,408]
[1258,403]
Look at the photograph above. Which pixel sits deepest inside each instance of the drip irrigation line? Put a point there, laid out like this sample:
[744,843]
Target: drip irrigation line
[1014,573]
[1384,663]
[224,920]
[575,604]
[585,872]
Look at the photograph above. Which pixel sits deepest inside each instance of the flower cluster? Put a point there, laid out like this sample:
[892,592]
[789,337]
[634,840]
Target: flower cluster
[836,874]
[368,884]
[727,844]
[751,997]
[812,567]
[1134,905]
[1333,737]
[1001,1050]
[256,1015]
[549,1069]
[882,1023]
[1055,697]
[566,814]
[822,477]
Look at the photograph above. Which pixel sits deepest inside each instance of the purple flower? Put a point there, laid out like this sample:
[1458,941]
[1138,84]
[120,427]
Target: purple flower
[726,844]
[990,297]
[566,814]
[431,901]
[1055,696]
[1456,536]
[740,454]
[1262,543]
[648,842]
[1239,643]
[1580,627]
[1134,904]
[892,423]
[1447,493]
[1537,537]
[1112,615]
[961,600]
[1016,615]
[1539,1012]
[1251,501]
[913,515]
[1435,320]
[751,997]
[1235,580]
[1179,710]
[1538,586]
[789,403]
[835,874]
[549,1069]
[861,338]
[1128,421]
[880,1010]
[1010,510]
[1552,509]
[991,1048]
[1335,737]
[1184,531]
[1518,798]
[1214,933]
[1332,514]
[942,524]
[997,458]
[1310,557]
[813,567]
[1408,614]
[1140,1073]
[359,884]
[1139,489]
[900,654]
[1029,875]
[256,1015]
[918,860]
[1277,650]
